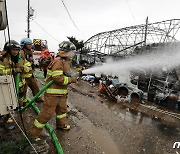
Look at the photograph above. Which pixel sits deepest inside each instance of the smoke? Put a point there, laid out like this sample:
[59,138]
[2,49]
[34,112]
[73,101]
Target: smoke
[168,57]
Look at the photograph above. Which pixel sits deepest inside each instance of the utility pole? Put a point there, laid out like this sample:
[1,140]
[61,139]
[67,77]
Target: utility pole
[145,35]
[28,20]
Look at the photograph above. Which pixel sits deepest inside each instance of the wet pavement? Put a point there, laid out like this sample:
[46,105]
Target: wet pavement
[102,126]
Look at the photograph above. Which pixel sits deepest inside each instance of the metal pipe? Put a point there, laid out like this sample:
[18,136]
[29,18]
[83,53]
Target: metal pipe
[37,95]
[136,96]
[161,111]
[50,130]
[123,91]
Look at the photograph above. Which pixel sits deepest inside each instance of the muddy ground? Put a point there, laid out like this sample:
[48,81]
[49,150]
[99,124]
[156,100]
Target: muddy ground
[101,126]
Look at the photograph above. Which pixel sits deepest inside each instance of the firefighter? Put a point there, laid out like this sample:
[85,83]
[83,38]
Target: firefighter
[9,65]
[44,61]
[26,53]
[56,94]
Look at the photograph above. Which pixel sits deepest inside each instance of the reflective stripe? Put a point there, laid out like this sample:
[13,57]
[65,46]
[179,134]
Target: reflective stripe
[27,64]
[22,83]
[27,75]
[21,99]
[66,80]
[25,99]
[49,72]
[56,91]
[57,73]
[38,124]
[38,139]
[5,70]
[2,66]
[1,72]
[61,116]
[8,70]
[27,69]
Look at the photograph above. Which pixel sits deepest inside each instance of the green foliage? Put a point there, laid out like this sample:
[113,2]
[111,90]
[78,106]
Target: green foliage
[79,44]
[13,147]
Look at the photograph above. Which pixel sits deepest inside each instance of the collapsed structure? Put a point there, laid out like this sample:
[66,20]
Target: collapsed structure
[160,85]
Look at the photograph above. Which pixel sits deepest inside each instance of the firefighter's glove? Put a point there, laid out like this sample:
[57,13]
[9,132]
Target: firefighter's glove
[18,68]
[73,79]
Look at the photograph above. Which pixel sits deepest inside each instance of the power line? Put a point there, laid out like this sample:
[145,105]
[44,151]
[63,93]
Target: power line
[69,15]
[45,31]
[130,10]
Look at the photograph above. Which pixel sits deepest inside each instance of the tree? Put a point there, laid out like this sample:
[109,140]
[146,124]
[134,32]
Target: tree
[79,44]
[79,47]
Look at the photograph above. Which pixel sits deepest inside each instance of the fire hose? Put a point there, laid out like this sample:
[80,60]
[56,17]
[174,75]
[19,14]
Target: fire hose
[50,130]
[36,96]
[48,127]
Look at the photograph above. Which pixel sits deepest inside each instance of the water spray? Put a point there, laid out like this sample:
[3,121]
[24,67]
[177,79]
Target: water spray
[169,58]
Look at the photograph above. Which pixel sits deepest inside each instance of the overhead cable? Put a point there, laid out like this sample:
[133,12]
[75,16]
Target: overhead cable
[130,10]
[69,15]
[45,31]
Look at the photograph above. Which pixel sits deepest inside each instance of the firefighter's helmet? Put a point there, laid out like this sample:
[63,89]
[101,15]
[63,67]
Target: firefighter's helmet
[25,41]
[67,46]
[11,45]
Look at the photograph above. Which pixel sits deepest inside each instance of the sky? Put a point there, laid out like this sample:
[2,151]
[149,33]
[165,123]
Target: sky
[52,23]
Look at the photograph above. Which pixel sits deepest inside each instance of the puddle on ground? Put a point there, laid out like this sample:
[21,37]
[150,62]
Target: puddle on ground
[101,137]
[169,130]
[132,117]
[104,141]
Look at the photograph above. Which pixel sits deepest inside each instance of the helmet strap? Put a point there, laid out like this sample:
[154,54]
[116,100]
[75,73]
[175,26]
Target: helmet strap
[26,49]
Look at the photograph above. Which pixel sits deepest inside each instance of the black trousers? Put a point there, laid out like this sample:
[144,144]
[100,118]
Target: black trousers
[45,73]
